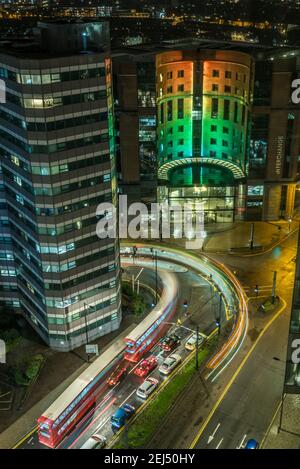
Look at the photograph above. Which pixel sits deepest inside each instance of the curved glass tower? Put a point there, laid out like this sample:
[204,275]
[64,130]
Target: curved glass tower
[204,106]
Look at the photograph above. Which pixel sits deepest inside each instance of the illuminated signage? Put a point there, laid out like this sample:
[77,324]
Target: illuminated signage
[279,154]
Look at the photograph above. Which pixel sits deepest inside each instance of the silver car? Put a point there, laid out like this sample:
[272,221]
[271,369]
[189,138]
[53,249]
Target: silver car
[169,364]
[96,441]
[192,341]
[147,388]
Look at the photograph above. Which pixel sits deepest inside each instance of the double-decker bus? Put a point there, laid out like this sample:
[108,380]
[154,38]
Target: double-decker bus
[144,336]
[59,419]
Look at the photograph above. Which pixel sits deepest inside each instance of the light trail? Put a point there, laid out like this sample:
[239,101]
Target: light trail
[230,291]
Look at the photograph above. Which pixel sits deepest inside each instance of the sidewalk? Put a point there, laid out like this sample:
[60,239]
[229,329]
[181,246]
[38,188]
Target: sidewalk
[236,238]
[289,436]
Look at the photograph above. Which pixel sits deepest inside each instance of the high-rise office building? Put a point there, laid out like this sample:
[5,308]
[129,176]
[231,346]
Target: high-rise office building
[135,111]
[204,108]
[274,167]
[57,160]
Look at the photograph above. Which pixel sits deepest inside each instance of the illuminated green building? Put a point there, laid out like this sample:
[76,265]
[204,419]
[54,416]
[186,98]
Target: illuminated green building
[204,105]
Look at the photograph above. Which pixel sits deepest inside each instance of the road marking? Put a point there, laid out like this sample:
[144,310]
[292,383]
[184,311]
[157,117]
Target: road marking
[25,437]
[132,369]
[102,423]
[139,274]
[127,397]
[211,437]
[219,444]
[236,374]
[242,442]
[271,424]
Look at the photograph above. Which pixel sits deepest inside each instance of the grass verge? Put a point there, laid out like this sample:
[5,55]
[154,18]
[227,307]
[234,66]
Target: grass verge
[142,429]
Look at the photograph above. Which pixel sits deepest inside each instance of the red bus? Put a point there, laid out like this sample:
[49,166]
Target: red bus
[144,336]
[59,419]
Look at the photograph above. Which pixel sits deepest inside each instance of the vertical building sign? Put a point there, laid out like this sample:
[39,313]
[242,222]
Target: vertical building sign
[279,155]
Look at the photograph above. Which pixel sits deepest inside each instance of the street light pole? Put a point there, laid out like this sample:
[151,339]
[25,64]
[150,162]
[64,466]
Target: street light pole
[274,287]
[281,413]
[154,257]
[86,328]
[281,402]
[220,310]
[160,224]
[197,347]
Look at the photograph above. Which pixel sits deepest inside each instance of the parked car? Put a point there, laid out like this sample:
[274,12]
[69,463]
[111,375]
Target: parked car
[117,375]
[147,388]
[169,364]
[170,342]
[146,366]
[96,441]
[121,416]
[252,444]
[190,344]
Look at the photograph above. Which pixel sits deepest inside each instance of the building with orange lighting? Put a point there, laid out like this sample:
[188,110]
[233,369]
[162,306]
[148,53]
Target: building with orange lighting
[260,179]
[204,101]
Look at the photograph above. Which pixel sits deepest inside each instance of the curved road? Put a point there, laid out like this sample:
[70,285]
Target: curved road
[202,309]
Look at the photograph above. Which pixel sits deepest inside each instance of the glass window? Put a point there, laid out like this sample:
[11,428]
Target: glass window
[214,108]
[169,110]
[46,79]
[180,108]
[226,109]
[235,112]
[162,113]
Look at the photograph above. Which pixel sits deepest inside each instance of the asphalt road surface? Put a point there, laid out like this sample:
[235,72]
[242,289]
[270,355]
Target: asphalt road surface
[201,307]
[248,407]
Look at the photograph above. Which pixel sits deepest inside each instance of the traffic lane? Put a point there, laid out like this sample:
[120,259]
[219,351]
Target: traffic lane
[249,406]
[93,423]
[194,264]
[32,443]
[125,392]
[259,270]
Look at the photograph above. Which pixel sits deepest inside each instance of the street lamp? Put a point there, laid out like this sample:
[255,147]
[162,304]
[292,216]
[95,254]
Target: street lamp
[218,315]
[282,400]
[154,256]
